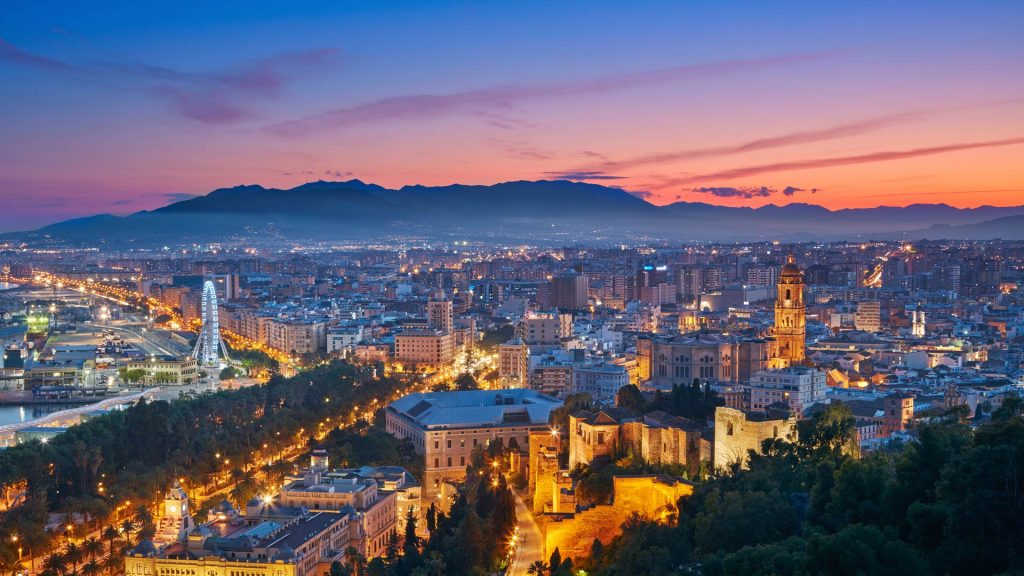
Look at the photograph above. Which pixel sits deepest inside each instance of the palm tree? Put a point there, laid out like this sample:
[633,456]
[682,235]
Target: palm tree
[539,567]
[110,534]
[144,518]
[355,560]
[73,555]
[127,527]
[111,564]
[92,548]
[55,563]
[9,565]
[92,568]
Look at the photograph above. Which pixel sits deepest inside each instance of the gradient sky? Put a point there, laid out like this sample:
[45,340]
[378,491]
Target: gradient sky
[118,107]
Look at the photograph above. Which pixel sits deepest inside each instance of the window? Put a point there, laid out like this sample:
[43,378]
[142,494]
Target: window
[600,437]
[449,461]
[728,429]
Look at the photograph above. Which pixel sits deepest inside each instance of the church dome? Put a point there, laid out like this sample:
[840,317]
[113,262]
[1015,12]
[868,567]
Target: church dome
[790,268]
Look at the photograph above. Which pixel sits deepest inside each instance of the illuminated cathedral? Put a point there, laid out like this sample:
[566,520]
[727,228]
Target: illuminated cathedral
[790,315]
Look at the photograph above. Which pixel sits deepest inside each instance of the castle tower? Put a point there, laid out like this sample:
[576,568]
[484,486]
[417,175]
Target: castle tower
[790,314]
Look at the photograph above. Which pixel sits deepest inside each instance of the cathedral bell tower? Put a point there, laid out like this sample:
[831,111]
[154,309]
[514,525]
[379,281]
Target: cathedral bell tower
[790,319]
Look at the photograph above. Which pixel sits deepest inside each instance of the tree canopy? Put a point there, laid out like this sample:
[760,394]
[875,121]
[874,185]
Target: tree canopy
[947,503]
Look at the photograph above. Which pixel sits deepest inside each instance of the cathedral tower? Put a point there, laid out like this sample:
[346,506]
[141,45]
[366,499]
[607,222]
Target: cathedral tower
[790,320]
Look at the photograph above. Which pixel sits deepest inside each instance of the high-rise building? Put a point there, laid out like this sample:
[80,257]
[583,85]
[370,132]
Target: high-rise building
[945,276]
[817,274]
[513,364]
[426,348]
[762,274]
[544,330]
[790,314]
[868,317]
[297,336]
[440,315]
[568,291]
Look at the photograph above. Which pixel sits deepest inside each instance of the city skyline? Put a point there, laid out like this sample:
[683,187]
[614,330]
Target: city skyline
[892,105]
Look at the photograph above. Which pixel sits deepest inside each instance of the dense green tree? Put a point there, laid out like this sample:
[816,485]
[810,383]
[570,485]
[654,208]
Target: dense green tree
[539,568]
[140,451]
[946,503]
[431,518]
[629,397]
[466,382]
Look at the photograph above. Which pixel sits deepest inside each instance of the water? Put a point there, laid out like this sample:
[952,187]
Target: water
[15,413]
[8,286]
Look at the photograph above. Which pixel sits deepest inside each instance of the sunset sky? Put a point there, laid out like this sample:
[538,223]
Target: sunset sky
[118,107]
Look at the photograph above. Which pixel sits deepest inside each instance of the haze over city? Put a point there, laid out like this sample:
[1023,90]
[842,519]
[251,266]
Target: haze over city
[112,109]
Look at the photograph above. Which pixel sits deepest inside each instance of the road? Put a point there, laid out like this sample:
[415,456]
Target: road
[530,542]
[148,341]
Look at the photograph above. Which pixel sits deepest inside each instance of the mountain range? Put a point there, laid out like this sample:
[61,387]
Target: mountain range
[557,212]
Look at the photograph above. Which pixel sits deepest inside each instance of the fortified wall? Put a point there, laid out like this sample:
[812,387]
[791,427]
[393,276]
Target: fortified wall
[653,496]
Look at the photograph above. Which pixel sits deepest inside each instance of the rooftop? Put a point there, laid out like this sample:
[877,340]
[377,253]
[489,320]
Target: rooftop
[476,408]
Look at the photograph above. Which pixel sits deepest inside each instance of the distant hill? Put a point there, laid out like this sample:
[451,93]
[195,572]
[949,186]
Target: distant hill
[1006,228]
[557,212]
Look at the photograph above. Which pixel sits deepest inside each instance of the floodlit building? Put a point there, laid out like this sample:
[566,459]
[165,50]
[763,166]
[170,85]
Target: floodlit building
[279,543]
[167,370]
[707,357]
[544,331]
[426,348]
[375,510]
[737,433]
[445,427]
[656,437]
[513,364]
[791,315]
[297,336]
[440,315]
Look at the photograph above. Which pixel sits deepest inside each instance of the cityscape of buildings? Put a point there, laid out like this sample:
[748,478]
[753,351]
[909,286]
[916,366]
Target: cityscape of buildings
[771,333]
[511,289]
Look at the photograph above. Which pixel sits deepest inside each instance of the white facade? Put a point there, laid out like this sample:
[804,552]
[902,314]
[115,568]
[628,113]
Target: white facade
[344,339]
[800,387]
